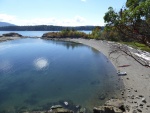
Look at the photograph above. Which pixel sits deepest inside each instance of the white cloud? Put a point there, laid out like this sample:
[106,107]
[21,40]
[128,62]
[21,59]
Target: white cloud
[83,0]
[80,19]
[7,18]
[75,21]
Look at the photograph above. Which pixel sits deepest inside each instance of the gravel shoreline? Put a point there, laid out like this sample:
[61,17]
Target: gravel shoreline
[136,94]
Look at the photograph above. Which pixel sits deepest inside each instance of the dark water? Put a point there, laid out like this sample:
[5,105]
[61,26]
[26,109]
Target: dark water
[35,74]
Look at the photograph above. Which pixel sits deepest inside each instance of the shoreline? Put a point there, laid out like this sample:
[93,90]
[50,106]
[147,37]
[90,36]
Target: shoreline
[137,81]
[136,94]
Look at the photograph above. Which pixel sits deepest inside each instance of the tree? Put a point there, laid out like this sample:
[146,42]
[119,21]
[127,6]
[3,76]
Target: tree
[96,33]
[133,21]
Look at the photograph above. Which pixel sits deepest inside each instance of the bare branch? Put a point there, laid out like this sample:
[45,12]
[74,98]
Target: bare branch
[123,49]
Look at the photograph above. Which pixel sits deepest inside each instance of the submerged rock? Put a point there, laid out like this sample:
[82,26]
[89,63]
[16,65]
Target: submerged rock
[66,103]
[82,110]
[59,109]
[56,106]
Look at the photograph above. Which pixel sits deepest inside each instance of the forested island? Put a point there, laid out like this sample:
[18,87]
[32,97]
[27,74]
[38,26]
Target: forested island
[44,28]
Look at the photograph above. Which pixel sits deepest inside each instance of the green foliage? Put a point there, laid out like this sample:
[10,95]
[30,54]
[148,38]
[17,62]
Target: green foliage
[110,35]
[111,17]
[138,46]
[132,22]
[96,33]
[66,33]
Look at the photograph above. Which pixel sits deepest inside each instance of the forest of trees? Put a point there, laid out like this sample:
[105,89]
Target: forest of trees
[72,33]
[132,22]
[43,28]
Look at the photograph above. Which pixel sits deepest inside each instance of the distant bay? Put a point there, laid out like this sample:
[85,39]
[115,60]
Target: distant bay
[35,33]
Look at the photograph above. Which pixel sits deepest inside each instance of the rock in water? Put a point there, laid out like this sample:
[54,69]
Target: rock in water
[12,35]
[59,109]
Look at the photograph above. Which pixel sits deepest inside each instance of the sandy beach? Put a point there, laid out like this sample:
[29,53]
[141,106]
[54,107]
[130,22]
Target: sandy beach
[136,94]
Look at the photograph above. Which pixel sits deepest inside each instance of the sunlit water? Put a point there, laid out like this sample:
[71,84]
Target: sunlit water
[36,74]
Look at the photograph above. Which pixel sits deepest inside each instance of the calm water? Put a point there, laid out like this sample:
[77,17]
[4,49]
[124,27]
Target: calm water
[35,74]
[34,33]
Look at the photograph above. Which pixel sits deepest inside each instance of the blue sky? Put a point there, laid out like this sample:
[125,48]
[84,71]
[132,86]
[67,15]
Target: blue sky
[56,12]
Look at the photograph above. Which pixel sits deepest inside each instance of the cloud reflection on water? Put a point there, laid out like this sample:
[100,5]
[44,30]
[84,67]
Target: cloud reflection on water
[5,65]
[41,63]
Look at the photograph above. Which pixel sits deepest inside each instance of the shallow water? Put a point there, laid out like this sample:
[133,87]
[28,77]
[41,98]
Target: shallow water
[35,74]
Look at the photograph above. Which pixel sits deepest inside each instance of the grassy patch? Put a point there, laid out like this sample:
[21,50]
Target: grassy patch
[137,46]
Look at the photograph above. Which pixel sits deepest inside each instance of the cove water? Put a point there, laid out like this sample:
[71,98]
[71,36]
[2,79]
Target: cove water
[36,74]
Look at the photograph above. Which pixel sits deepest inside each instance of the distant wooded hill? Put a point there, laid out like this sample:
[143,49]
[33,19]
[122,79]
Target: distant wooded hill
[44,28]
[2,24]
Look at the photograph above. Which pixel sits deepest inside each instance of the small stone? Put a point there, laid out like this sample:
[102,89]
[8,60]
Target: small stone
[127,108]
[129,96]
[127,78]
[134,111]
[122,93]
[141,105]
[135,90]
[56,106]
[66,103]
[82,110]
[141,96]
[134,107]
[139,110]
[132,97]
[148,106]
[144,100]
[137,97]
[77,106]
[102,97]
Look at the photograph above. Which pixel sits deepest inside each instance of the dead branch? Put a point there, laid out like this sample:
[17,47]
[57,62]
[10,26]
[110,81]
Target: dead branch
[124,50]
